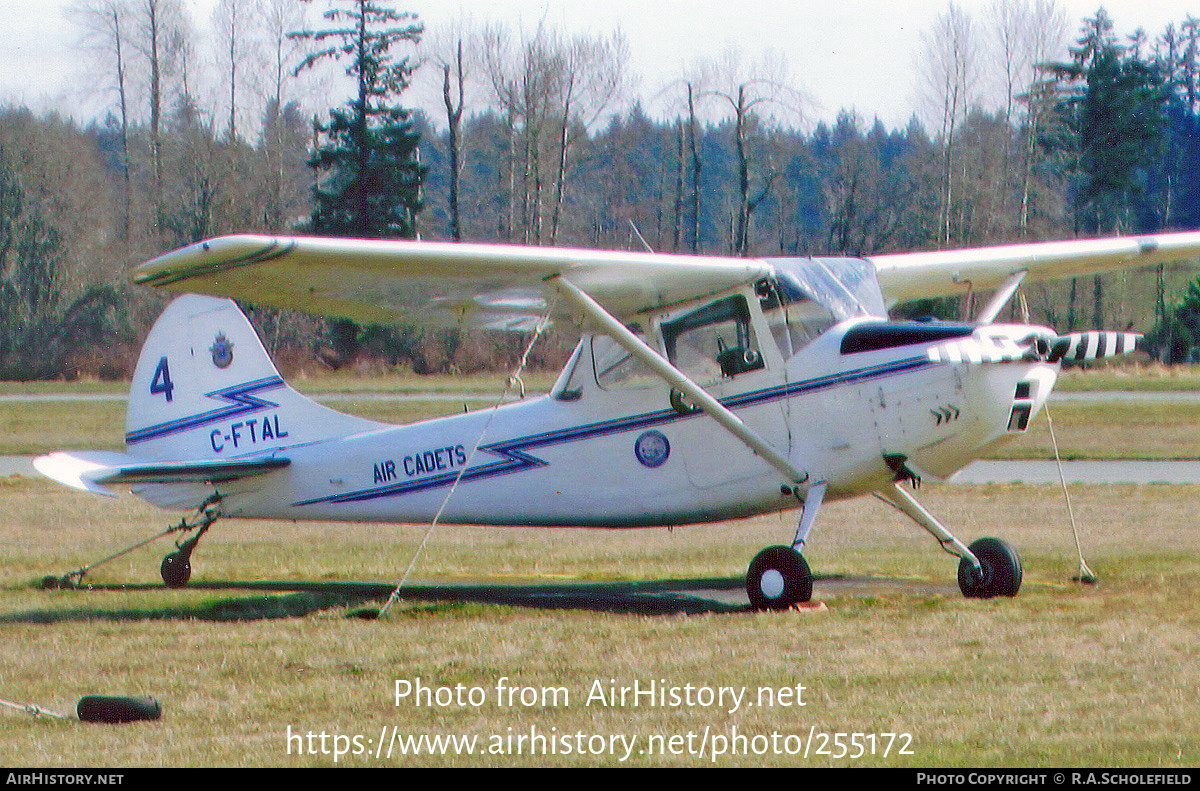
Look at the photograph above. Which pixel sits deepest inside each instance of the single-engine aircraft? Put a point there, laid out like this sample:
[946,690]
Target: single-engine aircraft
[703,389]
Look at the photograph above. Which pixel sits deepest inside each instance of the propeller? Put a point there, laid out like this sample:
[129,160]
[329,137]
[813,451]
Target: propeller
[1074,346]
[1092,345]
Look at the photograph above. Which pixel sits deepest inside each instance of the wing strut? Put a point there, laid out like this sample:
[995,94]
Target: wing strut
[1001,298]
[672,376]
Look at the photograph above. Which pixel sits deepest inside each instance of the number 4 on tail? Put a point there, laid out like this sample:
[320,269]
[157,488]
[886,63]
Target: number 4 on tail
[161,383]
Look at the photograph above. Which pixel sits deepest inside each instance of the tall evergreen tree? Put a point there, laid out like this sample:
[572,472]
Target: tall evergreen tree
[369,166]
[369,170]
[1116,116]
[1115,113]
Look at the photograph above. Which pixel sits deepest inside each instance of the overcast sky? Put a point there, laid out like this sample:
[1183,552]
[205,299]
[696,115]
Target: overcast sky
[856,54]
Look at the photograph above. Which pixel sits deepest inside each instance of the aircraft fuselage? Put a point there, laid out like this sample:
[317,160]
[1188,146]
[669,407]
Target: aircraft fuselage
[588,455]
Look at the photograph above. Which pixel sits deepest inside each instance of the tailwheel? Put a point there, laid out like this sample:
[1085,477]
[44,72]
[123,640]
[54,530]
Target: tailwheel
[777,579]
[176,569]
[999,573]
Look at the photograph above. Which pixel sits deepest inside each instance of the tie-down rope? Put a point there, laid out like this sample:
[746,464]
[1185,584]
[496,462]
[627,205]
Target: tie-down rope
[515,378]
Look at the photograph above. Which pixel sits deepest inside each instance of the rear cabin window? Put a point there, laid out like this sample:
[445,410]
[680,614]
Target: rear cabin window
[617,369]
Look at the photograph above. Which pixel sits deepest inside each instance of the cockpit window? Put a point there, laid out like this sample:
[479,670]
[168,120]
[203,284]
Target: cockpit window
[847,287]
[714,342]
[794,318]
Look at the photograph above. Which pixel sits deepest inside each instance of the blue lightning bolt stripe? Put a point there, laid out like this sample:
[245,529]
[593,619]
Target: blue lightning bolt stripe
[512,461]
[820,383]
[513,457]
[241,400]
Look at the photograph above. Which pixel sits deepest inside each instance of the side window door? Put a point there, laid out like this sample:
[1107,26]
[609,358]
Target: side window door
[715,342]
[715,346]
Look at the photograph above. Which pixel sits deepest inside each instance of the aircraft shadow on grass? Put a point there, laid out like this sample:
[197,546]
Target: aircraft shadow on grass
[292,599]
[696,596]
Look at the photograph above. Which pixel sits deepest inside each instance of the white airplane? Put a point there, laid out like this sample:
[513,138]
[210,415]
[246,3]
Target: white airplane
[703,389]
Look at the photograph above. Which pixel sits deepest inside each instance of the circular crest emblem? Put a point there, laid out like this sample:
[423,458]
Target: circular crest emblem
[652,448]
[222,351]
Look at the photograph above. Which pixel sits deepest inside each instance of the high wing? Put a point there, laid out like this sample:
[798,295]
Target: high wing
[908,276]
[495,286]
[473,285]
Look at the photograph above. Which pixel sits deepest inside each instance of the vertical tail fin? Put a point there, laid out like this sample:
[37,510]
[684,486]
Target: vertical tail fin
[205,387]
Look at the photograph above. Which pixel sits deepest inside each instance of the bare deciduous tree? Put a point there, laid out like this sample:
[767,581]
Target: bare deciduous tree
[159,36]
[456,52]
[232,23]
[752,92]
[551,91]
[106,26]
[951,74]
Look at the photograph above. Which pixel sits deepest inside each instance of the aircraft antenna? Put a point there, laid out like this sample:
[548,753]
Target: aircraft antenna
[638,233]
[516,377]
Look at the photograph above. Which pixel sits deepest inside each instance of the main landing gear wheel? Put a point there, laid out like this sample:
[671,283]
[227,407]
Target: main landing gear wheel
[778,578]
[999,573]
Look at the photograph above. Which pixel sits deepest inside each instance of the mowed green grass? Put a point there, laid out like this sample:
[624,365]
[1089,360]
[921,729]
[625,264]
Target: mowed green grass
[1064,674]
[1110,430]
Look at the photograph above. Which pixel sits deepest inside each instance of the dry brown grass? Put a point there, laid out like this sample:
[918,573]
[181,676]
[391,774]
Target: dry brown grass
[1064,674]
[1061,675]
[1111,430]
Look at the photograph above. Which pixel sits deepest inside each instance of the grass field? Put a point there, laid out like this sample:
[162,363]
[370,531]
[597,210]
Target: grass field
[266,638]
[1064,674]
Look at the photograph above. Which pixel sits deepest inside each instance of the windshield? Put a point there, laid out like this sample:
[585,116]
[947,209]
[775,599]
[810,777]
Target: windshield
[846,287]
[810,295]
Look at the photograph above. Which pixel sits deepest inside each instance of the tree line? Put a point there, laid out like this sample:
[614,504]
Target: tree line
[1028,131]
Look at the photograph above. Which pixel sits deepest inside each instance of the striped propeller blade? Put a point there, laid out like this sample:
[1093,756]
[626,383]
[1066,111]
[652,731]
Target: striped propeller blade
[1092,345]
[976,350]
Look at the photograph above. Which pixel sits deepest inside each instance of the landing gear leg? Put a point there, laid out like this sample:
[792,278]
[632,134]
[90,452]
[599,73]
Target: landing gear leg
[988,568]
[206,512]
[779,577]
[176,568]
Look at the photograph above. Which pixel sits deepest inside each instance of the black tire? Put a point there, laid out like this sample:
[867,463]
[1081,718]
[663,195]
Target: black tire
[1001,571]
[99,708]
[778,578]
[176,570]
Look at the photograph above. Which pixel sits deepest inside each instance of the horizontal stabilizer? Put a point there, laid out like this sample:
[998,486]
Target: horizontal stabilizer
[1092,345]
[94,471]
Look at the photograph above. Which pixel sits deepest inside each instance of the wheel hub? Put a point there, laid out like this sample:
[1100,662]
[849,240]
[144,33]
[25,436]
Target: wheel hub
[772,584]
